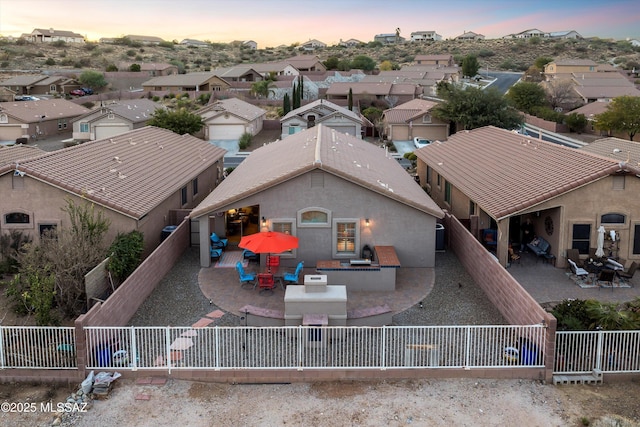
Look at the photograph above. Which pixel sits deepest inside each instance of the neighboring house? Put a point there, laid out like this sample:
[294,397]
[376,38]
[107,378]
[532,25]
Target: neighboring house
[442,60]
[602,86]
[568,66]
[618,149]
[313,45]
[634,42]
[393,93]
[526,34]
[388,38]
[280,68]
[151,40]
[491,178]
[425,76]
[590,110]
[250,44]
[194,43]
[335,192]
[37,119]
[113,119]
[190,82]
[351,43]
[470,35]
[570,34]
[115,175]
[304,63]
[238,73]
[228,119]
[425,36]
[41,35]
[322,112]
[6,94]
[414,119]
[40,84]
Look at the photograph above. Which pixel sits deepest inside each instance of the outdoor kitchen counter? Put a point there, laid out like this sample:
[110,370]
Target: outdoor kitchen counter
[356,275]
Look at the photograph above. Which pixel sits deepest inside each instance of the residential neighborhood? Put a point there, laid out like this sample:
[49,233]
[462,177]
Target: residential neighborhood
[387,180]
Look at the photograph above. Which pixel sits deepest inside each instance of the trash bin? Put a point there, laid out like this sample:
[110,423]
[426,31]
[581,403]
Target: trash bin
[439,237]
[103,354]
[167,231]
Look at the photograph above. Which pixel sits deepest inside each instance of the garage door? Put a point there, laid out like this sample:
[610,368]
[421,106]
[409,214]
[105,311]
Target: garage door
[225,131]
[107,131]
[10,133]
[351,130]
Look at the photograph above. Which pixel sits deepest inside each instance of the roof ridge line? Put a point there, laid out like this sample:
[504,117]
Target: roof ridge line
[317,158]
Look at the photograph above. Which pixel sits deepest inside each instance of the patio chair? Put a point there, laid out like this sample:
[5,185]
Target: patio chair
[273,261]
[578,271]
[624,275]
[574,255]
[266,282]
[292,278]
[606,276]
[217,242]
[247,254]
[216,253]
[244,276]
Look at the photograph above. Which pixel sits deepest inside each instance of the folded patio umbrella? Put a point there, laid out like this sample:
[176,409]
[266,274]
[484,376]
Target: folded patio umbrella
[600,248]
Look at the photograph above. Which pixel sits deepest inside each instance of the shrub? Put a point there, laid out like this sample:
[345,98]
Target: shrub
[131,53]
[155,98]
[50,61]
[59,43]
[485,53]
[245,140]
[125,254]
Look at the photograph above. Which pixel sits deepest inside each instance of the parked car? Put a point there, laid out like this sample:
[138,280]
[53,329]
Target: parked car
[419,142]
[87,90]
[26,98]
[77,92]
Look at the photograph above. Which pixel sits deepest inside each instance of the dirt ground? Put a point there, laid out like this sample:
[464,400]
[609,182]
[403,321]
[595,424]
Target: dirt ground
[460,402]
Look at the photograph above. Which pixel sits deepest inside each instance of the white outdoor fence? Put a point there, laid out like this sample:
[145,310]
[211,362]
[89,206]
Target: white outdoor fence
[37,347]
[308,347]
[580,352]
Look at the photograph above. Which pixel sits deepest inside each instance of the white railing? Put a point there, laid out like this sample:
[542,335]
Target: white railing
[581,352]
[306,347]
[37,347]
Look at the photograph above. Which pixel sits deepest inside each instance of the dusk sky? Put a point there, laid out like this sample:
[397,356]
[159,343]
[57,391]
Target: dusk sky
[274,22]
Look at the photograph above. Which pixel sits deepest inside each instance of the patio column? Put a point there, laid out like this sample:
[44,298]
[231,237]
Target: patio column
[502,247]
[205,256]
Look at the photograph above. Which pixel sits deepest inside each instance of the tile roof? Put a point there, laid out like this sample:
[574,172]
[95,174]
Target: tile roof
[58,33]
[574,62]
[505,173]
[14,153]
[403,113]
[45,109]
[593,92]
[134,110]
[319,148]
[592,108]
[621,150]
[22,80]
[234,106]
[189,79]
[131,173]
[233,72]
[322,104]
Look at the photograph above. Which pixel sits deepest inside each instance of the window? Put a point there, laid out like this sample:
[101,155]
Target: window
[426,118]
[194,185]
[60,123]
[17,218]
[612,218]
[183,193]
[618,182]
[447,192]
[428,174]
[294,129]
[286,226]
[84,127]
[346,237]
[472,208]
[4,118]
[47,230]
[52,88]
[580,239]
[636,239]
[110,116]
[314,217]
[438,180]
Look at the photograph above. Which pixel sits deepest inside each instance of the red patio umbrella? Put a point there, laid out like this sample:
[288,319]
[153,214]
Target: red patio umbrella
[268,242]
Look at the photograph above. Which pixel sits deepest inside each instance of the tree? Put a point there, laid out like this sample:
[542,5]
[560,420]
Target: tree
[541,61]
[576,122]
[331,63]
[363,62]
[386,66]
[111,67]
[525,96]
[92,79]
[179,121]
[262,88]
[125,254]
[286,104]
[470,66]
[560,93]
[473,108]
[134,68]
[622,115]
[350,99]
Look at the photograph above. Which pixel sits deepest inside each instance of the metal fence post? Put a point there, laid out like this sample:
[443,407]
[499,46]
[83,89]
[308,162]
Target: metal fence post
[2,362]
[599,349]
[300,343]
[383,355]
[217,353]
[168,347]
[134,350]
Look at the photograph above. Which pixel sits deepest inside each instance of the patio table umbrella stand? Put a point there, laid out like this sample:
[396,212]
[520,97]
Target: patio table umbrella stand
[268,242]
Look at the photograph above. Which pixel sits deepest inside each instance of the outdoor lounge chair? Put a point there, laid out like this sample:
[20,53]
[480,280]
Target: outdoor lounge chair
[292,278]
[217,242]
[574,255]
[244,276]
[606,276]
[578,271]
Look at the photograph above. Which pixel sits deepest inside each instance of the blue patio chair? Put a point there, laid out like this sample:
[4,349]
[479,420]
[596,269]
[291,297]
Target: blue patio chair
[244,276]
[217,242]
[292,278]
[216,253]
[247,254]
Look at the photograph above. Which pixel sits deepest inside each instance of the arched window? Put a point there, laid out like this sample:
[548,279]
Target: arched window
[16,218]
[314,217]
[612,218]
